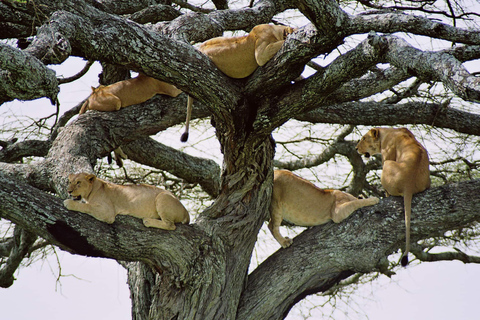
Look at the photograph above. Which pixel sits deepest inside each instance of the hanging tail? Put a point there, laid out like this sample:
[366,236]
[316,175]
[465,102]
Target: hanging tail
[407,200]
[184,136]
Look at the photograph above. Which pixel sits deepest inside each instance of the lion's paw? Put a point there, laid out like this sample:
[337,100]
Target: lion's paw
[69,203]
[287,242]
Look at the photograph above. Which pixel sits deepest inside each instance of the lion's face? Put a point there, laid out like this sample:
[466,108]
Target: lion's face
[80,185]
[370,143]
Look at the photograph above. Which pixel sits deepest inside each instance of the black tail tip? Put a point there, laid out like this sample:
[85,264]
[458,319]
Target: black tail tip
[184,137]
[404,261]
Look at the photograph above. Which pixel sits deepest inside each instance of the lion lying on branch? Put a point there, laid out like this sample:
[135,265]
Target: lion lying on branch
[128,92]
[104,201]
[239,57]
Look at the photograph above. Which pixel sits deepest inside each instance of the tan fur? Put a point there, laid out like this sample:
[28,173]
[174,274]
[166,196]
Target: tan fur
[125,93]
[405,167]
[103,200]
[301,203]
[239,57]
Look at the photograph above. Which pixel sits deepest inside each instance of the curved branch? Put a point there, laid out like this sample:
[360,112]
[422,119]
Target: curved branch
[78,75]
[306,94]
[361,244]
[339,146]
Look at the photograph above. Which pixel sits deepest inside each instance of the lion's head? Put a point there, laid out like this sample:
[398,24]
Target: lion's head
[370,143]
[80,185]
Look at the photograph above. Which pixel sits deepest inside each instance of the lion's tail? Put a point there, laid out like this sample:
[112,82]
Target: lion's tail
[407,200]
[184,136]
[84,106]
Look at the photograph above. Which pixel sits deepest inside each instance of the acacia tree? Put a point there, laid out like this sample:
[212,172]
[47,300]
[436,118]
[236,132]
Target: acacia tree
[199,271]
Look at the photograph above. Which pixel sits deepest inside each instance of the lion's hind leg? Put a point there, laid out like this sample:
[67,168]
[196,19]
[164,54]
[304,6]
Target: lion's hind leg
[160,224]
[346,204]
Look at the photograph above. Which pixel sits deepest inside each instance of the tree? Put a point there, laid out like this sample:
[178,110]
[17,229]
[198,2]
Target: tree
[200,271]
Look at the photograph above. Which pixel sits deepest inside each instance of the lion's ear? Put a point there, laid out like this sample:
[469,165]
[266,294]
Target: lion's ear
[375,133]
[90,178]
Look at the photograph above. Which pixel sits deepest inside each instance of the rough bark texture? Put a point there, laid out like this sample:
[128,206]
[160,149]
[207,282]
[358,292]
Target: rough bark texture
[199,271]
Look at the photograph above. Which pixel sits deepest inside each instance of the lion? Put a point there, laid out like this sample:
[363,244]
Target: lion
[104,200]
[128,92]
[300,202]
[239,57]
[405,167]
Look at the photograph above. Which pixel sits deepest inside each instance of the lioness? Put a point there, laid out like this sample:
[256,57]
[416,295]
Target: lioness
[125,93]
[104,201]
[239,57]
[405,167]
[301,203]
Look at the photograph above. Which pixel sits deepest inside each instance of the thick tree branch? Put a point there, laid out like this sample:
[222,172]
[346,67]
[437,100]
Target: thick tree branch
[155,13]
[127,239]
[390,22]
[360,244]
[16,151]
[24,77]
[436,66]
[378,113]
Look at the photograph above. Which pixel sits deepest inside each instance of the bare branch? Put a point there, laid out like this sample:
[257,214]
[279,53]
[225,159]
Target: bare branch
[22,241]
[78,75]
[421,255]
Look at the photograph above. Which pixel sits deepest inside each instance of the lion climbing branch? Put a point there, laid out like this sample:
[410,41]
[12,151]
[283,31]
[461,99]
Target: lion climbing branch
[360,244]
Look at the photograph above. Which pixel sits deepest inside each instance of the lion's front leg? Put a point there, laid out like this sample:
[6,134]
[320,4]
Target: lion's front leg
[274,227]
[265,50]
[98,212]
